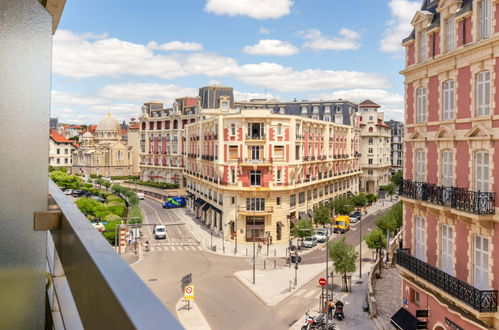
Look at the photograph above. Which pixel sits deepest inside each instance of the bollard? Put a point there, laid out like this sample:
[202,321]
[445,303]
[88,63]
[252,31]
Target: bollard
[275,263]
[264,264]
[246,251]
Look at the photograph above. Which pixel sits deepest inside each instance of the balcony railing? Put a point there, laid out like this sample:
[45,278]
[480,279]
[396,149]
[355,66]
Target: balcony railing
[484,301]
[476,202]
[255,161]
[105,291]
[255,137]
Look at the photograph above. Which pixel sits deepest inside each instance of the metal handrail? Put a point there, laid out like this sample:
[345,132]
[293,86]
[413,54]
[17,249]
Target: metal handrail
[107,292]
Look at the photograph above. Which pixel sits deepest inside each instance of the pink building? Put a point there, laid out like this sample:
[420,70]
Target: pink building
[449,263]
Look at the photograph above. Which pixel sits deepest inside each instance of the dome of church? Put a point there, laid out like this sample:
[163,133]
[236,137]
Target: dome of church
[108,124]
[88,135]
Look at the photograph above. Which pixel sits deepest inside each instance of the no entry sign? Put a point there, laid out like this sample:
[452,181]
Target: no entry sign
[189,292]
[322,281]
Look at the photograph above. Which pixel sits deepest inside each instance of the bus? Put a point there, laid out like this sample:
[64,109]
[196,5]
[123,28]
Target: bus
[173,202]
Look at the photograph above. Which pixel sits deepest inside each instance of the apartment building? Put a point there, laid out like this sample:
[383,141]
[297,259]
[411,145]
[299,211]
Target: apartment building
[450,261]
[253,174]
[60,150]
[375,148]
[397,146]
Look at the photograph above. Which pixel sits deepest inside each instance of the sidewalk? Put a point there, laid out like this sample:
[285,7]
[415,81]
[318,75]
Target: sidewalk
[192,318]
[387,291]
[221,246]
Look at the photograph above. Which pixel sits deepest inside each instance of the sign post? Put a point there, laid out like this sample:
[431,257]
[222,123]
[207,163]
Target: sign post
[322,282]
[189,295]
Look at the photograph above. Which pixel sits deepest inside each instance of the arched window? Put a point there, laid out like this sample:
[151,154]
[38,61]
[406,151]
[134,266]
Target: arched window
[448,100]
[482,93]
[370,129]
[481,169]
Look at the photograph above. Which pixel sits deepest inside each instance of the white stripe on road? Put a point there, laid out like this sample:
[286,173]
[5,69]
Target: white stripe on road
[300,292]
[310,293]
[173,248]
[159,218]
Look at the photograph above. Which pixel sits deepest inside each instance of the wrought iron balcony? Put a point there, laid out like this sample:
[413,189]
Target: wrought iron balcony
[476,202]
[484,301]
[255,137]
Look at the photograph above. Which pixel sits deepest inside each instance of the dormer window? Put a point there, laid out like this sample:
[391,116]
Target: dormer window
[316,109]
[450,34]
[304,109]
[224,105]
[282,110]
[327,109]
[423,46]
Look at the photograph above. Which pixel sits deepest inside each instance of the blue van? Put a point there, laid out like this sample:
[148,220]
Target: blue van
[173,202]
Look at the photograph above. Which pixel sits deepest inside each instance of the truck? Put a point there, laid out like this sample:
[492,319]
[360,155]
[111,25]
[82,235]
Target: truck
[173,202]
[341,224]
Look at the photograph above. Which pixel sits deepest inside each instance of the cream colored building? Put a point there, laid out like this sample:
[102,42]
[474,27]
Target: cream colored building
[375,148]
[103,153]
[133,141]
[60,150]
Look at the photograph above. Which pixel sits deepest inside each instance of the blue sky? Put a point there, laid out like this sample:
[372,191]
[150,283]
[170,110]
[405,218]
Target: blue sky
[113,56]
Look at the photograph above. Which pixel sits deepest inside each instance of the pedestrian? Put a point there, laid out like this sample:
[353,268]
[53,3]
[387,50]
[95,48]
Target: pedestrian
[259,247]
[330,307]
[270,240]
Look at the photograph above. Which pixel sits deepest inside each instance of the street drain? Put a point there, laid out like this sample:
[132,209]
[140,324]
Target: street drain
[153,279]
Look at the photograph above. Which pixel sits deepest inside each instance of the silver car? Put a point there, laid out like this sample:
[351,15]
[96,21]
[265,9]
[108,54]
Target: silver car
[310,242]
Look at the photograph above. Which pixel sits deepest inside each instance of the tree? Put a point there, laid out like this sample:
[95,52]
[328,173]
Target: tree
[395,179]
[344,258]
[303,228]
[106,184]
[65,181]
[359,200]
[342,205]
[391,220]
[322,214]
[389,189]
[374,237]
[371,198]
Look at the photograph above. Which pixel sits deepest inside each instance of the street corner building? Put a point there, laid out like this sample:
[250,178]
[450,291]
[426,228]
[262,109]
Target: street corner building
[252,169]
[449,263]
[104,152]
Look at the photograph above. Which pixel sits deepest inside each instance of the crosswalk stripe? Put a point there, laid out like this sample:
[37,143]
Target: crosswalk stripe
[180,248]
[300,292]
[309,294]
[172,248]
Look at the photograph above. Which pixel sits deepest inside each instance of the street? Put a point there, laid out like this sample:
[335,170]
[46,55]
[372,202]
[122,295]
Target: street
[223,300]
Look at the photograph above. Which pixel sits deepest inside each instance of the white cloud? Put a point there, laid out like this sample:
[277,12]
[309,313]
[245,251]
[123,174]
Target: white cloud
[263,30]
[143,92]
[271,47]
[245,96]
[258,9]
[398,27]
[77,57]
[347,39]
[175,45]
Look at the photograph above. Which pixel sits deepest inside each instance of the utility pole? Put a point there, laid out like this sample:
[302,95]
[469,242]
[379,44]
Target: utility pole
[360,246]
[296,267]
[254,238]
[327,275]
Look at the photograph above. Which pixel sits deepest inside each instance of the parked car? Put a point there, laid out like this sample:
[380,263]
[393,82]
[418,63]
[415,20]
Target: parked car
[99,199]
[140,195]
[76,193]
[310,242]
[68,191]
[355,216]
[321,235]
[159,231]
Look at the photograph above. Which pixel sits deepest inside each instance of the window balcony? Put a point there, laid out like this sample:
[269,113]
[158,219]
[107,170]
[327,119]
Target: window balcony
[462,199]
[85,271]
[483,301]
[259,137]
[251,161]
[243,210]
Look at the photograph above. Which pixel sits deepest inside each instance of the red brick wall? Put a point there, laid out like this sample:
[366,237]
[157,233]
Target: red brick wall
[461,251]
[432,162]
[410,54]
[286,134]
[226,134]
[431,242]
[409,114]
[463,92]
[460,33]
[495,257]
[462,168]
[469,27]
[433,98]
[408,226]
[436,43]
[271,134]
[408,168]
[240,134]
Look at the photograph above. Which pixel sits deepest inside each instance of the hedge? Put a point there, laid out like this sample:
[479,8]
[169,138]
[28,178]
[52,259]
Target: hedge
[160,185]
[125,177]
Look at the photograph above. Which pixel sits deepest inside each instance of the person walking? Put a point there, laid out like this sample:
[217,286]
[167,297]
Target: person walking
[330,307]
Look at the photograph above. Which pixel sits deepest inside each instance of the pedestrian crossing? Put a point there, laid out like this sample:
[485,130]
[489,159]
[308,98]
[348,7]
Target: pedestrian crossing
[307,293]
[163,248]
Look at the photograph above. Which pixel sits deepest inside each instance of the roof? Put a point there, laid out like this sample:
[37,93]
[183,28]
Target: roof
[58,137]
[108,123]
[190,101]
[369,103]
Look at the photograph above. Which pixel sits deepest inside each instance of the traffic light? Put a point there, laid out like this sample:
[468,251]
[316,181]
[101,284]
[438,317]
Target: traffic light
[293,259]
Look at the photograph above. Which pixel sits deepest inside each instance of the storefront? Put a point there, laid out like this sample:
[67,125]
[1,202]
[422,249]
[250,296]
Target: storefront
[255,228]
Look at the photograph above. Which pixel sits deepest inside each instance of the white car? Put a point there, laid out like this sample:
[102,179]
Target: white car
[310,242]
[140,195]
[159,232]
[321,235]
[68,191]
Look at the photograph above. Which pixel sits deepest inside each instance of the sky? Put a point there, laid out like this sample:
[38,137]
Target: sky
[115,55]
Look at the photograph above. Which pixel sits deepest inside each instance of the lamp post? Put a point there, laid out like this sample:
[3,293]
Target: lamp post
[211,238]
[360,246]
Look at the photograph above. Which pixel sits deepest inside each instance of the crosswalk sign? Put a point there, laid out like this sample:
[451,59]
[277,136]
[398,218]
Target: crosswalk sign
[189,292]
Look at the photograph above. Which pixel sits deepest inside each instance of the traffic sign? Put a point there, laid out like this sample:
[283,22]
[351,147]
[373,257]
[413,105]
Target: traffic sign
[322,281]
[189,292]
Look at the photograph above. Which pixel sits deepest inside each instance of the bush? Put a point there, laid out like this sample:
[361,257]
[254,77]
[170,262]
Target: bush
[66,181]
[135,215]
[159,185]
[112,217]
[110,231]
[125,177]
[117,209]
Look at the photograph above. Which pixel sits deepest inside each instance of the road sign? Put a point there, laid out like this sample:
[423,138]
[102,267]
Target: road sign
[322,281]
[187,279]
[189,292]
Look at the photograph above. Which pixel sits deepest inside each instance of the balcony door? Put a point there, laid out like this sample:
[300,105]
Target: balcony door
[481,263]
[447,172]
[482,171]
[420,239]
[447,255]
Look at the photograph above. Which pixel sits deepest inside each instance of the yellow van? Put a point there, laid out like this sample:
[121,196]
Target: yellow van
[341,224]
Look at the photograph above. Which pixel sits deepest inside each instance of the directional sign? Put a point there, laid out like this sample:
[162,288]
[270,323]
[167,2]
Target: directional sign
[189,292]
[322,281]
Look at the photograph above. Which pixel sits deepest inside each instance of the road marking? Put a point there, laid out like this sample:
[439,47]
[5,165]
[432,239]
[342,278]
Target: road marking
[159,218]
[180,248]
[310,293]
[173,248]
[300,292]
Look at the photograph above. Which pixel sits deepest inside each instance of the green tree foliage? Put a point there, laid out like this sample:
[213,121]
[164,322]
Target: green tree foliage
[303,228]
[160,185]
[322,214]
[391,220]
[106,184]
[110,231]
[135,214]
[65,181]
[371,198]
[374,237]
[395,179]
[342,206]
[389,188]
[359,200]
[344,258]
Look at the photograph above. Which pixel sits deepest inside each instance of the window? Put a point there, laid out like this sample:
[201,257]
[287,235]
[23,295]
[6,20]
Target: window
[58,151]
[65,160]
[482,171]
[279,175]
[65,151]
[370,129]
[370,172]
[309,195]
[58,160]
[421,105]
[279,152]
[255,178]
[448,100]
[481,263]
[256,130]
[370,141]
[232,176]
[255,204]
[292,200]
[278,201]
[423,46]
[224,105]
[301,197]
[370,161]
[420,239]
[279,129]
[370,118]
[297,152]
[256,152]
[450,32]
[420,166]
[370,150]
[233,154]
[447,256]
[414,296]
[482,93]
[447,168]
[233,200]
[303,109]
[233,129]
[485,22]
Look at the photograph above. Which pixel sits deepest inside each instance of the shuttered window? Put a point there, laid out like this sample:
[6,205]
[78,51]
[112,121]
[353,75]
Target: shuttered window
[482,171]
[481,263]
[421,105]
[420,166]
[448,100]
[485,22]
[482,93]
[420,238]
[447,255]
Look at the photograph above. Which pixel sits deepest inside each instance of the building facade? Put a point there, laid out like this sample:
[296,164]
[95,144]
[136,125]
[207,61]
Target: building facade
[397,145]
[60,150]
[450,261]
[375,148]
[253,174]
[103,153]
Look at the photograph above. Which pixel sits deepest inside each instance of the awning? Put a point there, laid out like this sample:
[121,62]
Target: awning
[404,320]
[293,220]
[216,210]
[206,206]
[199,202]
[303,215]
